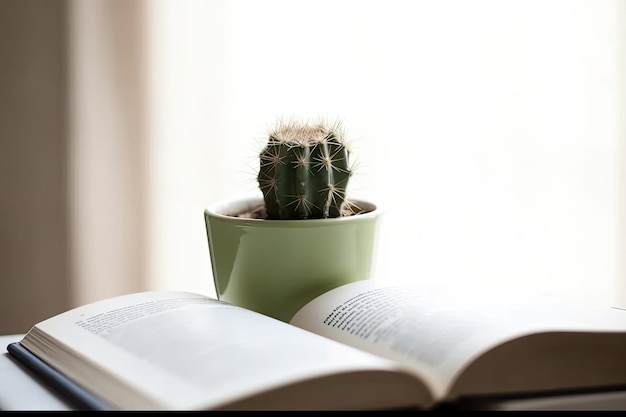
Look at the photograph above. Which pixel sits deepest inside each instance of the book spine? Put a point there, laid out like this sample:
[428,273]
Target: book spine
[83,399]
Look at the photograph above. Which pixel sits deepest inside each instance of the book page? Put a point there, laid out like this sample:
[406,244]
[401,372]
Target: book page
[148,349]
[439,331]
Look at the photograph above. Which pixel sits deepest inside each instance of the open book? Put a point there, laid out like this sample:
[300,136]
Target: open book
[364,345]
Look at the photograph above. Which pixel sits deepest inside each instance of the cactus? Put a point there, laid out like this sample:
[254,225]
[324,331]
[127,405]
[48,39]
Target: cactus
[304,171]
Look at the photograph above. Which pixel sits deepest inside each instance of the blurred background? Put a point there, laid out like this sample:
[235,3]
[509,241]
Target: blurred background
[492,133]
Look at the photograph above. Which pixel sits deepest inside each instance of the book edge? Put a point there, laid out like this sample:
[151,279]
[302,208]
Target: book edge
[83,398]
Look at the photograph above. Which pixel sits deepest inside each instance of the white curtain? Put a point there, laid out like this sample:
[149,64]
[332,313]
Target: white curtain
[108,147]
[491,132]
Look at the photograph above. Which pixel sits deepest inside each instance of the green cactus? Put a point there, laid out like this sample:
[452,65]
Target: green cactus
[304,171]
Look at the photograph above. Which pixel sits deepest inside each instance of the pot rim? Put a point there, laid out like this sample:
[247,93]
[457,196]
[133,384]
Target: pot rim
[244,203]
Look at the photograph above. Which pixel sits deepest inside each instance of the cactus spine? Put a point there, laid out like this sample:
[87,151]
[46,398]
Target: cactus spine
[304,171]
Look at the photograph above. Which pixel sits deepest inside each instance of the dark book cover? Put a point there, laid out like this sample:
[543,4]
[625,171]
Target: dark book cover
[82,398]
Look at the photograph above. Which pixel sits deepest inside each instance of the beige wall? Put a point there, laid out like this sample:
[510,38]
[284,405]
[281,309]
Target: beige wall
[72,155]
[72,183]
[34,247]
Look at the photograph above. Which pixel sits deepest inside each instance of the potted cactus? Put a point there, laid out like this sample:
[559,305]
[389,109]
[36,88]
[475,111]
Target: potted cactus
[302,235]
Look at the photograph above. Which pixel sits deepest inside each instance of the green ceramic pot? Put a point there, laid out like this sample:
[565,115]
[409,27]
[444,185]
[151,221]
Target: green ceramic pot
[276,266]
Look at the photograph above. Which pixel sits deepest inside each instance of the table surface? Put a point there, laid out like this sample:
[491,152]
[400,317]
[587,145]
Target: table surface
[20,390]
